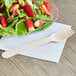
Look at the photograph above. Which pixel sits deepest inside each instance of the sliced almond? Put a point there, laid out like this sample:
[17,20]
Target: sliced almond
[21,2]
[14,12]
[10,18]
[39,12]
[18,12]
[0,14]
[39,23]
[36,2]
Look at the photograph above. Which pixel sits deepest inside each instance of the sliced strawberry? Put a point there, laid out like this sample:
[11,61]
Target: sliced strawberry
[32,2]
[30,24]
[2,9]
[15,6]
[0,4]
[3,22]
[45,10]
[47,5]
[28,10]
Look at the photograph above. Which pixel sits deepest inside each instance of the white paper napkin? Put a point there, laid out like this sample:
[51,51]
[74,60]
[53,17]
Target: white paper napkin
[50,51]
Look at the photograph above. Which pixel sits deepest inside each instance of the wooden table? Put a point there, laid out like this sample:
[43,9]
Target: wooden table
[25,66]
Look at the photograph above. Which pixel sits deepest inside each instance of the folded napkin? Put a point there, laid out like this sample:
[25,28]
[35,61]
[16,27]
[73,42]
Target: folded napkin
[50,51]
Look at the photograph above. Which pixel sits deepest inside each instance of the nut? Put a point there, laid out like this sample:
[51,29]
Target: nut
[21,2]
[39,23]
[36,2]
[39,12]
[0,14]
[10,18]
[18,12]
[14,12]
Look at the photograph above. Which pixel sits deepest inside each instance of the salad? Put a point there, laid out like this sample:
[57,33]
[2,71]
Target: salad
[20,17]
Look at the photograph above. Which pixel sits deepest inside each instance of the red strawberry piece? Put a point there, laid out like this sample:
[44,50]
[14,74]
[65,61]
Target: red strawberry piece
[0,4]
[32,2]
[15,6]
[28,10]
[30,24]
[47,5]
[3,22]
[2,9]
[45,10]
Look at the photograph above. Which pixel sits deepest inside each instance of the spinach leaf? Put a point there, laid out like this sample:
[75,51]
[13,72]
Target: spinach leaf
[43,17]
[20,16]
[42,11]
[10,30]
[3,2]
[13,23]
[29,2]
[7,31]
[5,14]
[14,2]
[21,28]
[41,1]
[2,32]
[23,13]
[8,4]
[34,9]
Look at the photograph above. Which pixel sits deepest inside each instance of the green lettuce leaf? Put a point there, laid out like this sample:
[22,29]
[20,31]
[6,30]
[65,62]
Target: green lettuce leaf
[5,14]
[30,3]
[20,16]
[43,17]
[7,31]
[21,28]
[41,1]
[13,23]
[2,32]
[14,2]
[8,4]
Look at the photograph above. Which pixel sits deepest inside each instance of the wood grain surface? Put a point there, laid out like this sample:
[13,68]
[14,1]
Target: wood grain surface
[25,66]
